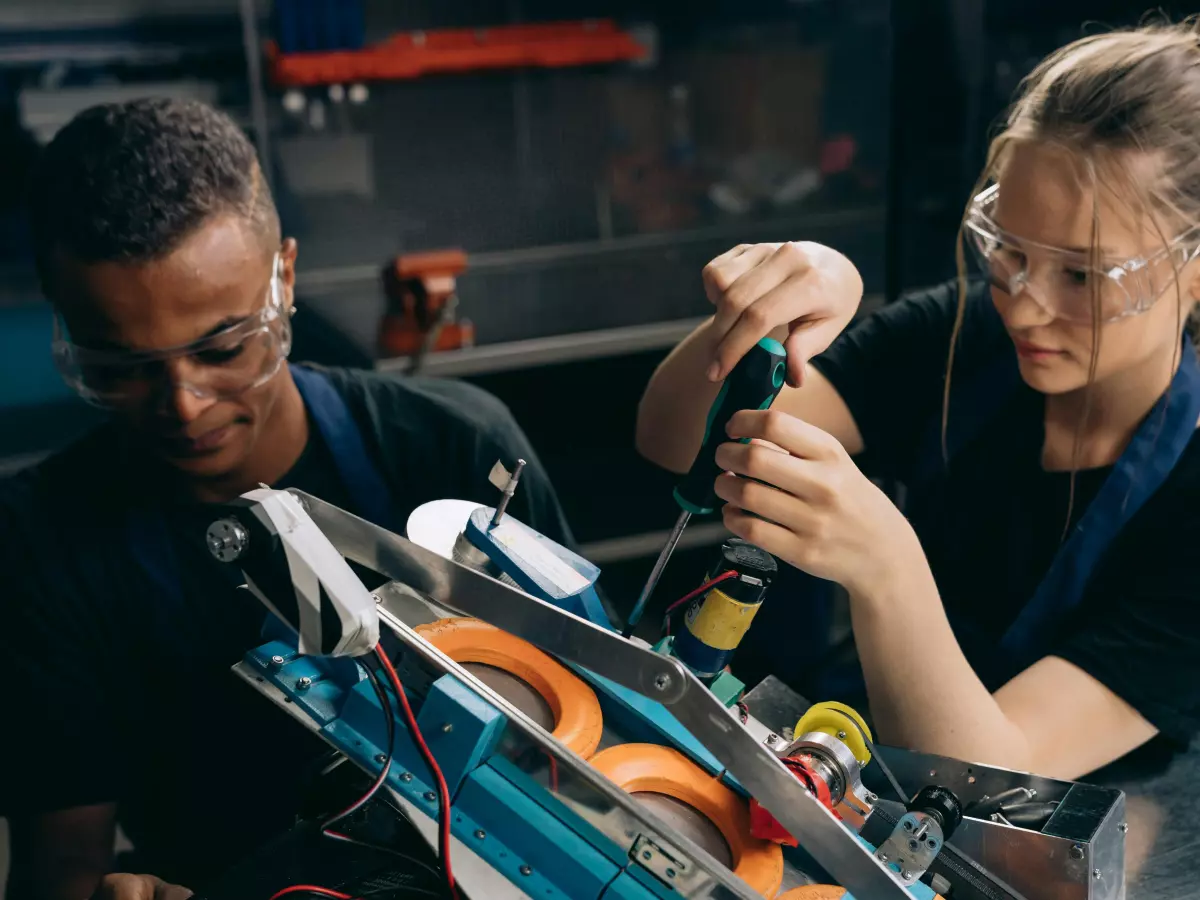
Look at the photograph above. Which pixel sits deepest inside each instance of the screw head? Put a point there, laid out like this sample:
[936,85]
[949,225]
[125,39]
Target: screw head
[303,683]
[381,758]
[1076,852]
[670,873]
[1123,827]
[772,739]
[277,660]
[662,682]
[480,834]
[429,796]
[1097,874]
[447,728]
[933,773]
[526,870]
[646,854]
[406,777]
[841,735]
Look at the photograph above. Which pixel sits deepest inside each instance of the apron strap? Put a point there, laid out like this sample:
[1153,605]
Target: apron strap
[369,492]
[1140,471]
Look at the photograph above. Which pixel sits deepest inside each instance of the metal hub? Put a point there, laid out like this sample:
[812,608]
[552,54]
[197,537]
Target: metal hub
[227,539]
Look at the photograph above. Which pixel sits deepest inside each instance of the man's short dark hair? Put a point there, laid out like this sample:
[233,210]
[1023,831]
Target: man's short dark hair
[128,182]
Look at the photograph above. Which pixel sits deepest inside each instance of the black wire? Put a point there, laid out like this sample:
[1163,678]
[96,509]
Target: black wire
[386,704]
[883,767]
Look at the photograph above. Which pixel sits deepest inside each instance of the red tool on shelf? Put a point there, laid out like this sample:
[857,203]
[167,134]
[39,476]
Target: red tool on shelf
[422,306]
[412,54]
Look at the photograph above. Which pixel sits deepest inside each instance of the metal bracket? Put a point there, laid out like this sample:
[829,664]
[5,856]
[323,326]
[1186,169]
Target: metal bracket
[658,861]
[604,652]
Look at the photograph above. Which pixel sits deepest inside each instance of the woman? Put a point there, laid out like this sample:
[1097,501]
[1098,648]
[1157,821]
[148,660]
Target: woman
[1037,608]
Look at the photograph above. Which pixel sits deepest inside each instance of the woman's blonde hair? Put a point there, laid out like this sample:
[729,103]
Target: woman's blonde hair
[1108,99]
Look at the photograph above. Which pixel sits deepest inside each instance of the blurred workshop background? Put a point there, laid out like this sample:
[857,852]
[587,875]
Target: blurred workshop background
[522,193]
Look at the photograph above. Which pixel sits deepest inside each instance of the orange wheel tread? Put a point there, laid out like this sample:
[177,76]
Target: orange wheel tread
[578,721]
[662,770]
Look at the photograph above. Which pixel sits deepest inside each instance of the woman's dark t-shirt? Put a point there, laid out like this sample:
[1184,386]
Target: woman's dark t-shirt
[992,524]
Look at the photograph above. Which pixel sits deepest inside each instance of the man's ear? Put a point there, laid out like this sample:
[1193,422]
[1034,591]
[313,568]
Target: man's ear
[287,260]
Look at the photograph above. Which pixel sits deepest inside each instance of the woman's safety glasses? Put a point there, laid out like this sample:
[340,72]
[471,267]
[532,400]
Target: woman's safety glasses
[1067,283]
[221,366]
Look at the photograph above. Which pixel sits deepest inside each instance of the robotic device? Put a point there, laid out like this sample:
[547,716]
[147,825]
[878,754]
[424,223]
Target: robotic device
[582,764]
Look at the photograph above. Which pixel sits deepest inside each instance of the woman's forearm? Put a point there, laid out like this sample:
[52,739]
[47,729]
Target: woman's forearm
[924,694]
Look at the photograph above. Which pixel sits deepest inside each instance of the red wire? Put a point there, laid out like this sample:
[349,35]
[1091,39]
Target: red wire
[311,889]
[443,791]
[704,588]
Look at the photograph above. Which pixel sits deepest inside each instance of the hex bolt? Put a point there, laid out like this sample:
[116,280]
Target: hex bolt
[303,683]
[480,834]
[1076,852]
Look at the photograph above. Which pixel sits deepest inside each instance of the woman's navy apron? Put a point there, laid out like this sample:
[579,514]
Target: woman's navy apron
[1142,468]
[367,488]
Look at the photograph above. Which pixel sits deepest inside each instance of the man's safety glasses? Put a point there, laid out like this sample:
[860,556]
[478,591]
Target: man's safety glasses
[221,366]
[1066,283]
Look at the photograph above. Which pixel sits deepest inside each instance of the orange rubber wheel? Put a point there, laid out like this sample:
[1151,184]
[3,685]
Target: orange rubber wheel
[814,892]
[573,706]
[653,769]
[820,892]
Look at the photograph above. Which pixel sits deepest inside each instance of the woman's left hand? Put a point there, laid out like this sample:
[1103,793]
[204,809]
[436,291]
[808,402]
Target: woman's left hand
[815,509]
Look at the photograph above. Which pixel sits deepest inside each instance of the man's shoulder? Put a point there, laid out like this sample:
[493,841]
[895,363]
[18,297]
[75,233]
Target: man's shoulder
[414,403]
[66,481]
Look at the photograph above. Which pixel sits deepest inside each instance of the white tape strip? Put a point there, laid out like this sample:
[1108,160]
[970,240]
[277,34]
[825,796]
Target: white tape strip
[319,575]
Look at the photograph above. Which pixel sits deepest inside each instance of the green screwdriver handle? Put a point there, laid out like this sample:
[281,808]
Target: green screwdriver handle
[754,383]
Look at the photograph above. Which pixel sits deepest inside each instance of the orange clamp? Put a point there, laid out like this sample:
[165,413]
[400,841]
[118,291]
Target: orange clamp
[419,287]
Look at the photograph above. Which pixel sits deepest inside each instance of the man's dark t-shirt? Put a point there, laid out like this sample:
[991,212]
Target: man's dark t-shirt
[991,527]
[114,692]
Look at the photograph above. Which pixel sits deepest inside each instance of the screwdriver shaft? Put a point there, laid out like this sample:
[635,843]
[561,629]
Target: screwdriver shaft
[656,572]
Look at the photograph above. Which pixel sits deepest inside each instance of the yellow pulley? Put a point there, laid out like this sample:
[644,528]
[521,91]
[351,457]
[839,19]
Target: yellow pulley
[839,721]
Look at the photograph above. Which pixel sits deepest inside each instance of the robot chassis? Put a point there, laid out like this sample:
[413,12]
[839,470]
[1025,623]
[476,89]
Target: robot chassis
[579,835]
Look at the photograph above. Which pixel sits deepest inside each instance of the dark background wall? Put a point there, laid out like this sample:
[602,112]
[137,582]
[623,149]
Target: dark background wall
[580,206]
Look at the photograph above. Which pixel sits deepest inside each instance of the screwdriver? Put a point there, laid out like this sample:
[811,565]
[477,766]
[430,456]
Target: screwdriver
[754,383]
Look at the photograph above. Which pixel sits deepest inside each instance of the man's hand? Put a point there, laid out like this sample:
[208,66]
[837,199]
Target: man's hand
[121,886]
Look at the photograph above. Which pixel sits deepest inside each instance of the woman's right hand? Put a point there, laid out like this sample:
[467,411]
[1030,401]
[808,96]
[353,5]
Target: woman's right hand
[806,292]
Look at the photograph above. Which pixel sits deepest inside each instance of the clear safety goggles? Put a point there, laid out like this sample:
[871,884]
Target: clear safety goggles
[223,365]
[1067,283]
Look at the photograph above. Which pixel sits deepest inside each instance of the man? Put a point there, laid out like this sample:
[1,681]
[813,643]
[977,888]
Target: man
[159,246]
